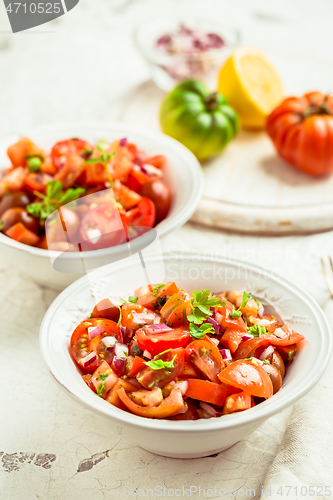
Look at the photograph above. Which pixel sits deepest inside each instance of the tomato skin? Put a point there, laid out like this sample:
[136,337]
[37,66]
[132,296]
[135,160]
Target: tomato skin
[190,413]
[137,365]
[70,147]
[143,214]
[158,161]
[231,339]
[18,214]
[170,406]
[159,193]
[237,402]
[70,171]
[288,352]
[105,309]
[128,318]
[18,151]
[275,376]
[206,391]
[155,343]
[13,200]
[112,396]
[189,371]
[302,132]
[151,379]
[13,180]
[246,376]
[20,233]
[206,357]
[137,179]
[109,221]
[228,321]
[78,339]
[37,182]
[126,196]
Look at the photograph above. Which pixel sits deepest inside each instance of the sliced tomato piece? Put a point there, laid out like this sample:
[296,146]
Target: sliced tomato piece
[249,347]
[148,299]
[112,396]
[87,380]
[179,314]
[206,357]
[158,161]
[13,180]
[190,413]
[125,196]
[121,163]
[105,309]
[156,343]
[189,371]
[81,345]
[70,147]
[37,182]
[104,378]
[237,402]
[143,214]
[135,315]
[231,339]
[173,302]
[103,227]
[151,378]
[20,233]
[171,405]
[70,170]
[287,352]
[137,365]
[17,152]
[250,378]
[275,376]
[228,321]
[206,391]
[137,179]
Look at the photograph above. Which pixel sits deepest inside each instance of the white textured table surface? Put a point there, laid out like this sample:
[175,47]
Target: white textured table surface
[51,448]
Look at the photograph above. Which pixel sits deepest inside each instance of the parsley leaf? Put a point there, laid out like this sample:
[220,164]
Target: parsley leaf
[201,304]
[132,299]
[101,388]
[53,189]
[198,332]
[70,195]
[157,288]
[120,317]
[159,364]
[237,313]
[257,330]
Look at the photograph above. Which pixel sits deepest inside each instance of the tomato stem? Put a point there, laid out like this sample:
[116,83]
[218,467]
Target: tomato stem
[211,101]
[320,109]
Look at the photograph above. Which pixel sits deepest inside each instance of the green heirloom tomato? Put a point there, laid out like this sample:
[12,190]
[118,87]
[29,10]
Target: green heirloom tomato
[202,121]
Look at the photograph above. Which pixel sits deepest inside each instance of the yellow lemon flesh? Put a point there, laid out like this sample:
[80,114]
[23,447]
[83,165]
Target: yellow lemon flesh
[251,86]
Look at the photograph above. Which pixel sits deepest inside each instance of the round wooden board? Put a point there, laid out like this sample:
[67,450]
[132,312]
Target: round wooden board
[248,188]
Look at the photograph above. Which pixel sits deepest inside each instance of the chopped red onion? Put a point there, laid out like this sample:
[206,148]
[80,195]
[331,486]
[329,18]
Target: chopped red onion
[208,409]
[88,359]
[147,354]
[215,325]
[123,330]
[261,310]
[218,318]
[118,363]
[267,352]
[226,354]
[94,331]
[143,318]
[215,341]
[278,332]
[161,328]
[182,386]
[157,319]
[151,170]
[123,142]
[109,342]
[247,336]
[121,350]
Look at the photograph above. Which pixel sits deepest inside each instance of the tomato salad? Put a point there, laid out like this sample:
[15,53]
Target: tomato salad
[166,353]
[38,183]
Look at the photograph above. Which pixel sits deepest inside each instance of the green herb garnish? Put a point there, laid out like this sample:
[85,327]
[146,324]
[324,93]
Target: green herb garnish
[266,361]
[237,313]
[198,332]
[34,163]
[257,330]
[201,304]
[159,364]
[157,288]
[120,316]
[101,388]
[132,299]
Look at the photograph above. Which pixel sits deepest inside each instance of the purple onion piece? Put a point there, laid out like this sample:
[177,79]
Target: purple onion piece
[161,328]
[226,354]
[215,324]
[94,332]
[123,142]
[267,352]
[118,364]
[247,336]
[88,359]
[109,342]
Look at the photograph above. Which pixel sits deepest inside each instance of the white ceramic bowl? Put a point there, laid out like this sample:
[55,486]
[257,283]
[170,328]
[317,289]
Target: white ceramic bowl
[187,439]
[183,174]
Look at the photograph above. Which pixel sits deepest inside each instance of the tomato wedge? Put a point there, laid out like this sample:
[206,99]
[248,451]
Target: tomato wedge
[103,227]
[228,321]
[148,299]
[206,357]
[137,365]
[37,182]
[151,378]
[70,171]
[17,152]
[207,391]
[21,234]
[231,339]
[250,378]
[158,161]
[143,214]
[105,309]
[171,405]
[81,345]
[248,347]
[62,149]
[135,315]
[237,402]
[126,196]
[156,343]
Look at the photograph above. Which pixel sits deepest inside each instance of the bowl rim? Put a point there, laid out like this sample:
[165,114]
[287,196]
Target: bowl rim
[163,228]
[153,55]
[259,412]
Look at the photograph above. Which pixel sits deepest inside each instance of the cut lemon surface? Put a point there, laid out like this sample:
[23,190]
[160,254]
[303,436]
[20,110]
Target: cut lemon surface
[251,86]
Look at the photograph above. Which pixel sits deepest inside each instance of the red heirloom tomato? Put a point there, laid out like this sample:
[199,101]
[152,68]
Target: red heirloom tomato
[301,129]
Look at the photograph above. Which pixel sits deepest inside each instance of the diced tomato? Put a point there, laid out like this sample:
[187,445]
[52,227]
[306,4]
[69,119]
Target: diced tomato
[206,391]
[112,396]
[231,390]
[190,413]
[81,345]
[68,148]
[173,302]
[48,168]
[179,314]
[143,214]
[228,321]
[105,309]
[250,378]
[133,150]
[37,182]
[137,365]
[155,343]
[70,171]
[135,315]
[171,405]
[189,371]
[125,196]
[137,179]
[158,161]
[237,402]
[231,339]
[20,233]
[87,379]
[121,163]
[101,383]
[288,352]
[148,299]
[144,397]
[42,243]
[151,378]
[103,227]
[13,180]
[248,348]
[206,357]
[17,152]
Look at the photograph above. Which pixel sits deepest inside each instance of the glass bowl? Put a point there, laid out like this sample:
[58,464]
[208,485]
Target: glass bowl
[170,68]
